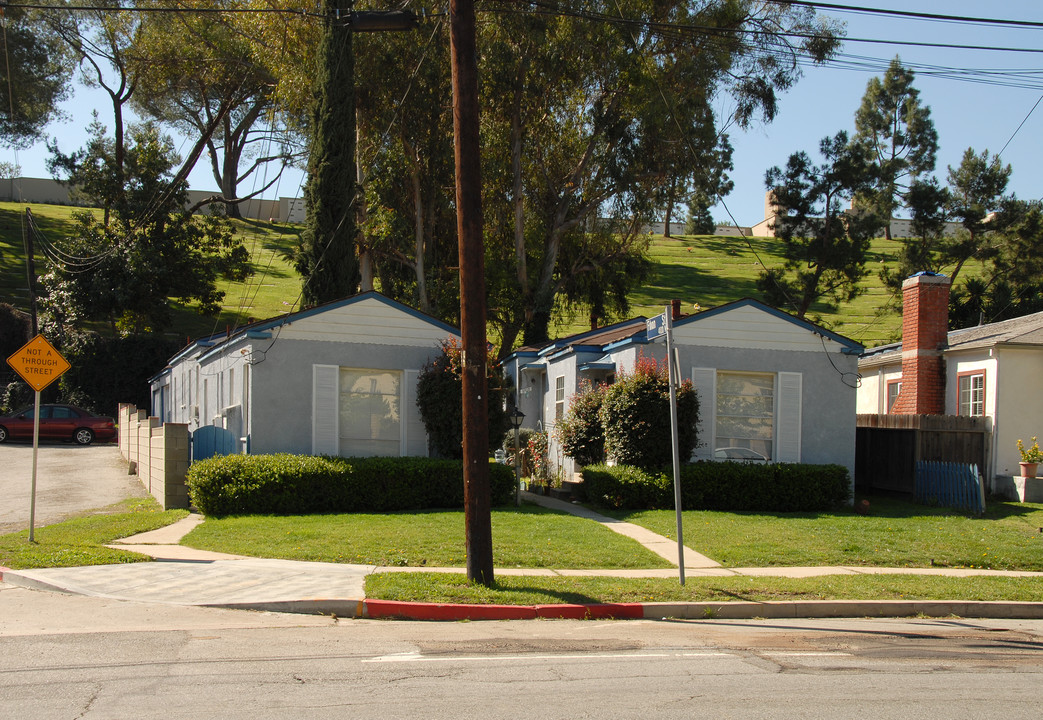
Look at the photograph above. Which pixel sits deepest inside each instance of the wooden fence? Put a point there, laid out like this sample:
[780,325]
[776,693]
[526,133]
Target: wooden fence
[887,447]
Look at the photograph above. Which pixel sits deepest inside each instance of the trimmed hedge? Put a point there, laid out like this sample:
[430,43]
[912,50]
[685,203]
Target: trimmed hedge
[285,484]
[776,487]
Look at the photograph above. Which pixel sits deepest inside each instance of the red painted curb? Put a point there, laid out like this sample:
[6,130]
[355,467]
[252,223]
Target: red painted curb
[458,611]
[2,571]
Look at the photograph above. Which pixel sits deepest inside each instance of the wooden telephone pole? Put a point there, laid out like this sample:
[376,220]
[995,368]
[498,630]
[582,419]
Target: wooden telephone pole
[477,496]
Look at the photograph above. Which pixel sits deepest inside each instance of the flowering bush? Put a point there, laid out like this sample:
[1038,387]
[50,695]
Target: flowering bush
[636,417]
[1033,454]
[539,461]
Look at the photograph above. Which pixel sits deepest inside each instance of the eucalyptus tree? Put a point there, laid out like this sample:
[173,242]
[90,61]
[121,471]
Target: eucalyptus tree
[596,110]
[405,160]
[899,132]
[36,78]
[198,74]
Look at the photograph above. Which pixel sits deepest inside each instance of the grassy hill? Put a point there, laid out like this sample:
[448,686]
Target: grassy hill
[708,270]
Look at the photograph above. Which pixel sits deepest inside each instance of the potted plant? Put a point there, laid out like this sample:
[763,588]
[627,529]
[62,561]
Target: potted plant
[1030,458]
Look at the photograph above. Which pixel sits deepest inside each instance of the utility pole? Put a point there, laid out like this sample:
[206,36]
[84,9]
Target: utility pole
[466,147]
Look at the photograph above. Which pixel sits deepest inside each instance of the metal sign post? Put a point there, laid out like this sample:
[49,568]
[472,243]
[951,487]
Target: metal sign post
[656,327]
[672,371]
[39,364]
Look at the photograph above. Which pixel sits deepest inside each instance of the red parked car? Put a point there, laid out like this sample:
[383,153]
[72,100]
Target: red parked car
[58,422]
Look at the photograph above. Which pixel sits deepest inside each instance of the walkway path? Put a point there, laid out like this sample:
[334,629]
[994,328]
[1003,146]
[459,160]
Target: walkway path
[186,576]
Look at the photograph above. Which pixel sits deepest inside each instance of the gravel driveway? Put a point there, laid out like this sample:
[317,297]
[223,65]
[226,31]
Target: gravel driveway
[70,480]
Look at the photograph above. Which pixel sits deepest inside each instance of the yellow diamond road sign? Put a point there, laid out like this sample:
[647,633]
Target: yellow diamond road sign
[38,363]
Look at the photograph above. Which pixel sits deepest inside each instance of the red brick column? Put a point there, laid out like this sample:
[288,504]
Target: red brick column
[925,319]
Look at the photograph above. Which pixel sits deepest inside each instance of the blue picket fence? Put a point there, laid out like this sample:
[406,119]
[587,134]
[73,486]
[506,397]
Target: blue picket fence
[949,484]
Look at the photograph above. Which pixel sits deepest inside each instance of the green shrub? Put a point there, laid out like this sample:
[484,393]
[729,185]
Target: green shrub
[302,484]
[440,401]
[777,487]
[625,487]
[635,414]
[580,432]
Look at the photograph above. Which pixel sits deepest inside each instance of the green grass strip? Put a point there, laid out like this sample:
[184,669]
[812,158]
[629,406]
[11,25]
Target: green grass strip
[82,540]
[540,590]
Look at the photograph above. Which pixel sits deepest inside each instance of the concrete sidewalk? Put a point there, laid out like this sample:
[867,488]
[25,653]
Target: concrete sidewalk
[185,576]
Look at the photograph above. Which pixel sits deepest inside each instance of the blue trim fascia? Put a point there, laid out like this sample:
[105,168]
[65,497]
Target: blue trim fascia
[782,315]
[597,366]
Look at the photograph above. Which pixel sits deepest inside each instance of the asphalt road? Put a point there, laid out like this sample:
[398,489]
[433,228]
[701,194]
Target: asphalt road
[70,480]
[68,656]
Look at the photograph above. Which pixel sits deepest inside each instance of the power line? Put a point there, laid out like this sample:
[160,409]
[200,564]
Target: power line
[910,14]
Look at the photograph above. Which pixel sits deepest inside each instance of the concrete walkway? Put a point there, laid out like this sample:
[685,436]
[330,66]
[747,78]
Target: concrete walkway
[186,576]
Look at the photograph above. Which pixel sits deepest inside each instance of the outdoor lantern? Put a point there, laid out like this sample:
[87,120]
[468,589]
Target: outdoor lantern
[516,418]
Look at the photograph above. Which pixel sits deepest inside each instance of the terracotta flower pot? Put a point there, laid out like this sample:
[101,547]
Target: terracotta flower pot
[1028,469]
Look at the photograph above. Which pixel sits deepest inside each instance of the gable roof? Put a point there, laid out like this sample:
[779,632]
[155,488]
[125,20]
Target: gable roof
[848,345]
[262,329]
[634,331]
[1025,330]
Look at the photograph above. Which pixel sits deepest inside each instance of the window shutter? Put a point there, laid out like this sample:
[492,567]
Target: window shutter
[705,382]
[414,434]
[325,403]
[789,417]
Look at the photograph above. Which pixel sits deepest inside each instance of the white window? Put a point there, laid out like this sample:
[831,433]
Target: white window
[972,394]
[369,415]
[559,397]
[745,416]
[893,389]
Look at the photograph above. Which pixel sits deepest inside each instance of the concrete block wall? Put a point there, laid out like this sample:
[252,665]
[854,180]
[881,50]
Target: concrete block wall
[158,454]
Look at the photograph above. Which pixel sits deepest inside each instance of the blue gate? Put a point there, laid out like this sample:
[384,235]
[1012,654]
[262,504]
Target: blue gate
[211,440]
[948,484]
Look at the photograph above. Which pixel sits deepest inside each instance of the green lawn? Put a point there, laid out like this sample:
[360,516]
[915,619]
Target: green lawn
[895,534]
[529,537]
[81,541]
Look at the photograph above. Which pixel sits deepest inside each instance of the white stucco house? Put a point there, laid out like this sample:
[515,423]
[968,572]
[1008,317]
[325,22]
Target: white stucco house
[337,379]
[994,370]
[770,386]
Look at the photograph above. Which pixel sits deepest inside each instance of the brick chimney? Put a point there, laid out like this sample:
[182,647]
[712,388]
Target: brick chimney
[925,320]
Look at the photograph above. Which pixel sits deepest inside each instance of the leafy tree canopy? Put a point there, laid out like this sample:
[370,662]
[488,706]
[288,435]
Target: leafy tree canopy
[37,77]
[125,269]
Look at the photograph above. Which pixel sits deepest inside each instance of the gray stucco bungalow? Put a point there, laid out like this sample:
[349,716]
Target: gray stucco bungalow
[771,386]
[337,379]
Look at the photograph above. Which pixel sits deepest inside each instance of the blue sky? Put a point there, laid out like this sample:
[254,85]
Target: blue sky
[967,112]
